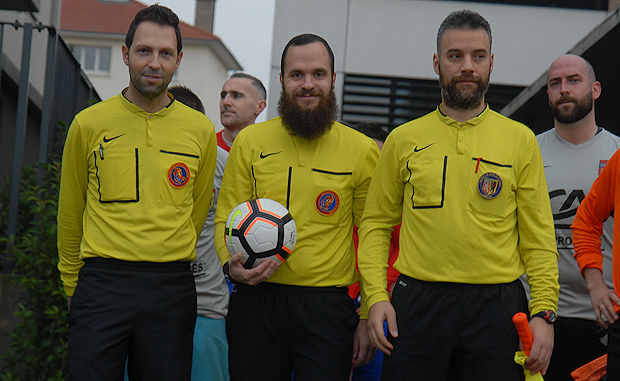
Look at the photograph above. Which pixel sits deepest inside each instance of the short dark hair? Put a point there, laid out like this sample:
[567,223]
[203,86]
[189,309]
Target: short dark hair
[372,130]
[262,93]
[157,14]
[464,19]
[305,39]
[184,95]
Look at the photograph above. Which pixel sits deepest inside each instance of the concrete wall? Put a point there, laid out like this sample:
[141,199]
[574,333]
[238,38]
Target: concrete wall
[12,41]
[11,65]
[398,37]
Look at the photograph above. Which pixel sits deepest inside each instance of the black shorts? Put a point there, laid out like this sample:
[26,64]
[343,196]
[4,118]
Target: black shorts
[142,312]
[455,331]
[275,330]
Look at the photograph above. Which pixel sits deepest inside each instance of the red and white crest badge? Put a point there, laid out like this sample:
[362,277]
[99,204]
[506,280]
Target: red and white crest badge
[327,202]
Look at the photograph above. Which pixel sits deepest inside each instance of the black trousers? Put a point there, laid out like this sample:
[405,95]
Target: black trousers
[142,312]
[275,330]
[454,331]
[576,343]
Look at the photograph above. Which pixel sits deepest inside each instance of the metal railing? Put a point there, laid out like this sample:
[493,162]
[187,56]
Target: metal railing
[66,91]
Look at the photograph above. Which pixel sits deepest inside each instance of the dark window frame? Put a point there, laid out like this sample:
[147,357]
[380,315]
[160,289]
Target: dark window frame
[391,101]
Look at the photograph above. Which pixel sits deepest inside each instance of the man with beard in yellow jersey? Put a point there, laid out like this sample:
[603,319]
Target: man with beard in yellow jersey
[297,317]
[135,190]
[470,186]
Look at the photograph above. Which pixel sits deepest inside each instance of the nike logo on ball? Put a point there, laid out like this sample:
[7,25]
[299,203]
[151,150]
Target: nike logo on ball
[262,155]
[416,149]
[105,140]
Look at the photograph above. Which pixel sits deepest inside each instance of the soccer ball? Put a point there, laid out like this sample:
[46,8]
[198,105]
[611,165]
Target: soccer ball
[260,229]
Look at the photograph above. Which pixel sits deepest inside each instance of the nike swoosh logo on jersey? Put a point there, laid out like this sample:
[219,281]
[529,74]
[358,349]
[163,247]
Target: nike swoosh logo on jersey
[262,156]
[416,149]
[105,140]
[547,166]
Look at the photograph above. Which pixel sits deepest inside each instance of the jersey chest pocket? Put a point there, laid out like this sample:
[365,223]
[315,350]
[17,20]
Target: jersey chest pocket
[271,181]
[427,177]
[176,172]
[491,189]
[117,175]
[332,196]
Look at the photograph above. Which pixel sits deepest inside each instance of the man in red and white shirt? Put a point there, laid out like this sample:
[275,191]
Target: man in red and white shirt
[242,99]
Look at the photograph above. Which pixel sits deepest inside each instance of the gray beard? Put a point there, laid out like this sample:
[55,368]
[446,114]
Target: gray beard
[452,97]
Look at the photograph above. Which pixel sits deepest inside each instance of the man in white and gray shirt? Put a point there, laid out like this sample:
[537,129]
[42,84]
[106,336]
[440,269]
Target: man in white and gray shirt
[574,152]
[242,99]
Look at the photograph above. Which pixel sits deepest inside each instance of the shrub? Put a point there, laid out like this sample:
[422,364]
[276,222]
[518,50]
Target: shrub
[38,345]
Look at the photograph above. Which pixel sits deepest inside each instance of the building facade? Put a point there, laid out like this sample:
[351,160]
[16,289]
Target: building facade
[384,49]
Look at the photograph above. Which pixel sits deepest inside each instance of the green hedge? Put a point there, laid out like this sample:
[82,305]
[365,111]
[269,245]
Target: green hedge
[38,345]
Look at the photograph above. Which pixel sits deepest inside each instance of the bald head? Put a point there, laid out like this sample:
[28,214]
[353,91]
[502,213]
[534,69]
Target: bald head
[573,63]
[572,89]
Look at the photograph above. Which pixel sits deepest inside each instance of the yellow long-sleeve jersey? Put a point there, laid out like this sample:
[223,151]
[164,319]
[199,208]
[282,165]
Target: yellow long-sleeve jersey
[135,186]
[267,162]
[474,206]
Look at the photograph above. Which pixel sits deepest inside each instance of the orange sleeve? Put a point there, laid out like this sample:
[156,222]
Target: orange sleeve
[587,227]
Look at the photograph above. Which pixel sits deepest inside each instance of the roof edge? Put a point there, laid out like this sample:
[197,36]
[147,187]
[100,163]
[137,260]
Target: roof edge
[218,47]
[612,19]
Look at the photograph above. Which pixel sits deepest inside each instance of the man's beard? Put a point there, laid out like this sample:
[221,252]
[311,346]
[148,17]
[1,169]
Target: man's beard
[308,123]
[464,98]
[148,91]
[581,108]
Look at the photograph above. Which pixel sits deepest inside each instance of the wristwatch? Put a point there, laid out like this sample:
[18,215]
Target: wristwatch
[226,270]
[549,316]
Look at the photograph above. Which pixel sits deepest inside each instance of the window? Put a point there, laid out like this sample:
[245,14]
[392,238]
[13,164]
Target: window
[93,59]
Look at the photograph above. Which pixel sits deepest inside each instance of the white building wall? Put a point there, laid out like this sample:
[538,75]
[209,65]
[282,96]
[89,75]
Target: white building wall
[398,37]
[106,84]
[204,74]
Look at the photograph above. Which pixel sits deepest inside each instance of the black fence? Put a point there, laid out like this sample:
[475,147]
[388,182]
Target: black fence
[27,127]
